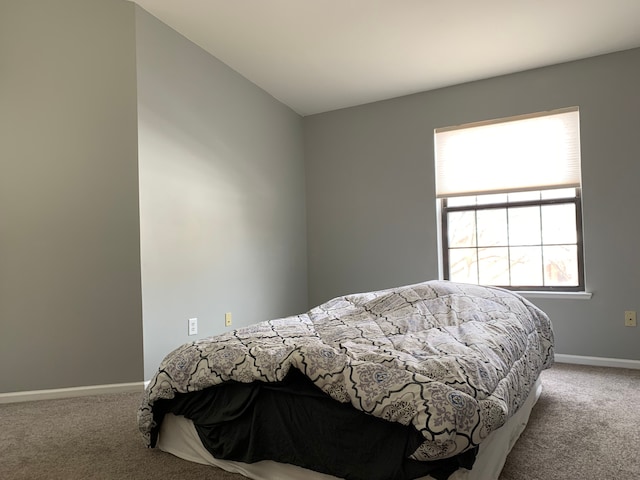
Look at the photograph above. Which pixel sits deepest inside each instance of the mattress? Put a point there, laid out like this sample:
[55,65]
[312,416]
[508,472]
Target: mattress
[178,437]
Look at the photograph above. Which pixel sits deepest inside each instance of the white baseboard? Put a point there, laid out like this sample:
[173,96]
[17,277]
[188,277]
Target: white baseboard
[598,361]
[52,394]
[14,397]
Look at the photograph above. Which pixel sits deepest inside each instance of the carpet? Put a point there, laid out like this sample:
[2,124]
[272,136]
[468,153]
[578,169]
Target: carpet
[586,425]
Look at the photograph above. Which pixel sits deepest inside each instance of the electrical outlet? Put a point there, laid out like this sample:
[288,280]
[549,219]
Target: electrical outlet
[630,318]
[227,319]
[193,326]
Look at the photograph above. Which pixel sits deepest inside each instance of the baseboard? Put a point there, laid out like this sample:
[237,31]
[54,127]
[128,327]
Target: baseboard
[598,361]
[52,394]
[14,397]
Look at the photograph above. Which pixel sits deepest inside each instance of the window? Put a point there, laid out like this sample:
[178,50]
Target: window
[510,202]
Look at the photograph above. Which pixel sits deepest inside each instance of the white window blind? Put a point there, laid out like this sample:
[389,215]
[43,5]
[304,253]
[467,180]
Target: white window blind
[539,151]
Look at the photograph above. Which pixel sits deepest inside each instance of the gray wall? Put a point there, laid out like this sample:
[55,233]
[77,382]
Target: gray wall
[372,209]
[222,195]
[70,303]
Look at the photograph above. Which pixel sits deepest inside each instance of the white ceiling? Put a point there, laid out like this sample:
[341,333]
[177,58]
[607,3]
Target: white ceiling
[321,55]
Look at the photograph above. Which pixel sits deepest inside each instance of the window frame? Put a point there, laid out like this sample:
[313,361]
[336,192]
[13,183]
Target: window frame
[575,200]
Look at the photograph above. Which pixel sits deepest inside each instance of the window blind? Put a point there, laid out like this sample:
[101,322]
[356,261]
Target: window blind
[538,151]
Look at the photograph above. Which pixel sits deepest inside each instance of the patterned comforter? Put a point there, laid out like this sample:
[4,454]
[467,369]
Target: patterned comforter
[454,360]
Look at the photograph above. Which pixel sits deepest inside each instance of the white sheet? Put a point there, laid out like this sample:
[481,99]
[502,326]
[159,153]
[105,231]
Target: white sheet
[178,436]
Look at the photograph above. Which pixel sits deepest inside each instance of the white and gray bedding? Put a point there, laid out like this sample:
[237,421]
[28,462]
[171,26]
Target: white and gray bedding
[454,361]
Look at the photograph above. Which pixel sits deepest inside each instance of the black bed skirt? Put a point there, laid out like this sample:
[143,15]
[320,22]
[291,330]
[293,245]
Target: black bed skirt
[294,422]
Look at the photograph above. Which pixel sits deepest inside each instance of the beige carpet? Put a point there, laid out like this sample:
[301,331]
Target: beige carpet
[586,425]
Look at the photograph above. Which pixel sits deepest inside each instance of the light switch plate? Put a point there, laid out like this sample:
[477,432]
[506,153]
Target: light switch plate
[193,326]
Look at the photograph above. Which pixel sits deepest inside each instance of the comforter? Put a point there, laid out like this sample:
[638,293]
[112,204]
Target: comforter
[453,360]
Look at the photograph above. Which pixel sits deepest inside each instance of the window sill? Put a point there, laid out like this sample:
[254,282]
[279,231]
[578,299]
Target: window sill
[564,295]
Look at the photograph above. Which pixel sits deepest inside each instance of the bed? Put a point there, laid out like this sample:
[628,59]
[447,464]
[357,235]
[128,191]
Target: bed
[433,381]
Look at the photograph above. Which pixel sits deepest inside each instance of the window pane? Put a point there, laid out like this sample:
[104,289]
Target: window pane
[559,193]
[560,266]
[463,265]
[462,229]
[559,224]
[492,227]
[526,265]
[524,196]
[524,226]
[493,264]
[461,201]
[493,198]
